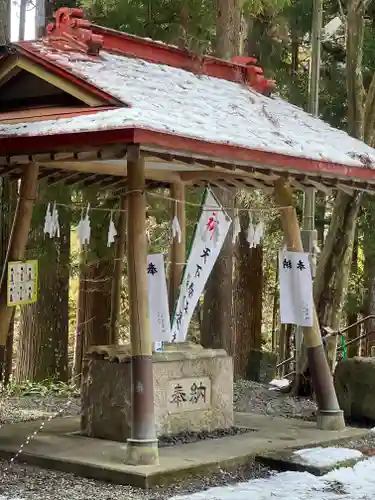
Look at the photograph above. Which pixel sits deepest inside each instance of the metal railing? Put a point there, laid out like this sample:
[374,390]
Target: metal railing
[332,333]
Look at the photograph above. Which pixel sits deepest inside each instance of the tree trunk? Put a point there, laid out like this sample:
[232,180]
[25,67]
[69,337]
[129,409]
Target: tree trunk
[95,289]
[295,50]
[8,366]
[42,351]
[79,346]
[369,271]
[6,352]
[118,272]
[94,309]
[217,307]
[4,21]
[332,275]
[7,197]
[338,242]
[98,305]
[282,351]
[183,41]
[18,241]
[275,308]
[247,301]
[320,217]
[229,35]
[95,284]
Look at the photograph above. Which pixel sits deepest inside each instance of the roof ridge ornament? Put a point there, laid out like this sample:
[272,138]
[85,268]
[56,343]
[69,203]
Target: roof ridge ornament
[254,75]
[71,30]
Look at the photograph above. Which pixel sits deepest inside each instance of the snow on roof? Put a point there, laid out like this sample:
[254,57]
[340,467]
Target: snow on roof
[171,100]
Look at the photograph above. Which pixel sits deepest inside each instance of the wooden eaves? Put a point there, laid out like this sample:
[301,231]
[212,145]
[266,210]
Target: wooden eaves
[70,159]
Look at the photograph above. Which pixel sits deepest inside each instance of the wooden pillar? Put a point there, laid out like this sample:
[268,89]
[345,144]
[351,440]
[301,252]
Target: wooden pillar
[142,447]
[118,270]
[329,414]
[178,249]
[18,240]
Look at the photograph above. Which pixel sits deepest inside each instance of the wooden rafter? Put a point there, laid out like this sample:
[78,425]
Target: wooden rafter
[97,167]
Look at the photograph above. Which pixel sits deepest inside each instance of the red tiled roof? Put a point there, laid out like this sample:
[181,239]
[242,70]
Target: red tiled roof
[181,101]
[71,33]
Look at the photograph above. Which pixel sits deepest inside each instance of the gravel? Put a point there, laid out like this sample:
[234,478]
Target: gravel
[31,483]
[194,437]
[258,398]
[27,408]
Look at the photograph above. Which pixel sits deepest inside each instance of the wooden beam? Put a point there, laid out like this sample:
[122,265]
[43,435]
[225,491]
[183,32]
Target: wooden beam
[18,241]
[8,69]
[114,183]
[63,178]
[106,168]
[15,160]
[227,163]
[320,187]
[97,179]
[221,184]
[293,181]
[6,170]
[346,189]
[217,177]
[48,173]
[97,154]
[237,183]
[256,184]
[79,178]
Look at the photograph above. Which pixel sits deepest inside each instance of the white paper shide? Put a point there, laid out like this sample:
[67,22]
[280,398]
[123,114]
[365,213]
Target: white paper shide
[158,299]
[296,294]
[209,237]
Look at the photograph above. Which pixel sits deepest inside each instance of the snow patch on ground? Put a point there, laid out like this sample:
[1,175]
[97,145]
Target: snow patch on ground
[357,483]
[279,383]
[327,457]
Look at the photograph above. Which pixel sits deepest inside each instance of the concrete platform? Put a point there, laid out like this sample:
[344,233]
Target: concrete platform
[59,447]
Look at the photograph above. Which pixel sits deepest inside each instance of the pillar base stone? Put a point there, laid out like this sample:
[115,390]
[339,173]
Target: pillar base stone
[330,420]
[142,452]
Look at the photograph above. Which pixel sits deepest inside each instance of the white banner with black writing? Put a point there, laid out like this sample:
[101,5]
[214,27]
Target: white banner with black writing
[296,293]
[210,233]
[160,325]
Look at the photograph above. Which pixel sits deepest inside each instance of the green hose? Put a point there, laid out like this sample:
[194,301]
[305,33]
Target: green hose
[343,347]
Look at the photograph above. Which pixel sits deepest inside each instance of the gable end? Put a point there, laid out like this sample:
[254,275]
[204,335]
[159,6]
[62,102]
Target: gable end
[26,84]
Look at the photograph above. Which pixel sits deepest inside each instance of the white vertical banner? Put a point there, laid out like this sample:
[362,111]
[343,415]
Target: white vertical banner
[210,233]
[296,293]
[160,325]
